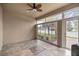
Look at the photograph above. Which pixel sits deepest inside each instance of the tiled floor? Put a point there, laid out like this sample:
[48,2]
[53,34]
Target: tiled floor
[34,48]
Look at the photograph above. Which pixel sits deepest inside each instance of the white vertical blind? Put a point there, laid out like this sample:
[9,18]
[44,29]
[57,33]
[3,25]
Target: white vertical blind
[71,13]
[40,21]
[54,17]
[67,14]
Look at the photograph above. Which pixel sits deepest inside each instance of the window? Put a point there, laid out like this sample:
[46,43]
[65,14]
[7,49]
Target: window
[40,21]
[54,17]
[52,32]
[38,30]
[67,14]
[71,32]
[71,13]
[48,31]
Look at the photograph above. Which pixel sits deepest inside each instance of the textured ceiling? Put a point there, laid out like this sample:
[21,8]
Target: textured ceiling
[22,8]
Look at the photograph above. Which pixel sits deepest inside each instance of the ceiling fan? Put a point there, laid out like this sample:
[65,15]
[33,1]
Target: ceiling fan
[34,7]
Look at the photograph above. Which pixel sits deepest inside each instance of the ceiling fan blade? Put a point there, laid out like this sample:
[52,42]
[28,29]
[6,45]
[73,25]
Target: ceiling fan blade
[34,5]
[39,10]
[30,5]
[38,6]
[29,9]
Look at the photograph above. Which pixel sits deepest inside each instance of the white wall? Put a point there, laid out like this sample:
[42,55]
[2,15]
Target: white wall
[1,30]
[17,27]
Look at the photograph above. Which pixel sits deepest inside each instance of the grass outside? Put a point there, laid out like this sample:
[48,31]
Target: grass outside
[50,37]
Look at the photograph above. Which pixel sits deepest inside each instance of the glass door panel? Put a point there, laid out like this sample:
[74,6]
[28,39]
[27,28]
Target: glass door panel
[71,32]
[43,31]
[47,32]
[52,33]
[39,31]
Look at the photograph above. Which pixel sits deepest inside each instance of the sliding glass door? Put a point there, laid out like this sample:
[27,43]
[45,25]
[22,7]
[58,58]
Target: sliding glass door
[71,32]
[47,32]
[38,31]
[52,32]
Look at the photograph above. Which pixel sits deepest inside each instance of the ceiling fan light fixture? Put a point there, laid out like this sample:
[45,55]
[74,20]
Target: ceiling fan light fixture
[34,10]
